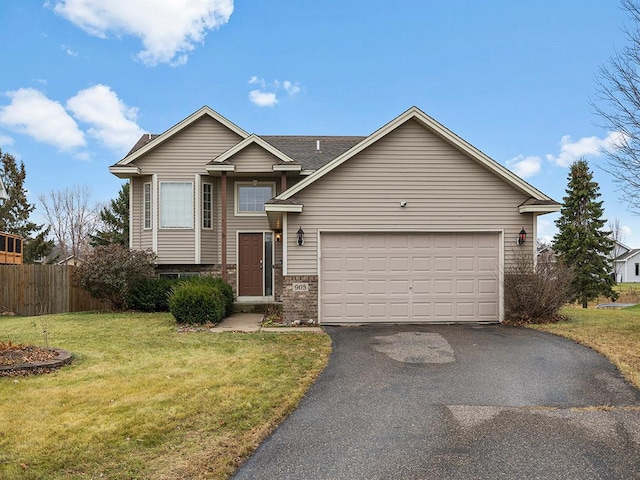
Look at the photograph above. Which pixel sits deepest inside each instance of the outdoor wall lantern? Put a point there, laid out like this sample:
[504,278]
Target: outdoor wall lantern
[278,237]
[300,233]
[522,237]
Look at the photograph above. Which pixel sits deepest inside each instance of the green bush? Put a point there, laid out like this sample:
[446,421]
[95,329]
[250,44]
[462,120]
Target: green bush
[227,293]
[197,302]
[109,272]
[151,295]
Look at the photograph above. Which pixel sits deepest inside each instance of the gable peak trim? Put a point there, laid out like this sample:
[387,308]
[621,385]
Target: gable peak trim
[167,134]
[414,113]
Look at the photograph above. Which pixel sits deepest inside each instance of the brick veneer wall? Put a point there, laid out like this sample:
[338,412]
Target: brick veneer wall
[300,306]
[208,269]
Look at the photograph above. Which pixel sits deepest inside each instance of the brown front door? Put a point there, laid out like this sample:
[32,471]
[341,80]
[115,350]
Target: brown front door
[250,275]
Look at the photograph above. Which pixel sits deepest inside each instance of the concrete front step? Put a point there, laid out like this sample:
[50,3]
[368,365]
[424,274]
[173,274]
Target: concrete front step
[254,307]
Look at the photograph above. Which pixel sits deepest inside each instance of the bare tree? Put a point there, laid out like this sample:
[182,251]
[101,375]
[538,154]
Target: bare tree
[72,218]
[618,104]
[617,235]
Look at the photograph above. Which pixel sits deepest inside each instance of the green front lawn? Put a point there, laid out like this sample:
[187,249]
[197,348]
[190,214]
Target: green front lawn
[142,400]
[614,333]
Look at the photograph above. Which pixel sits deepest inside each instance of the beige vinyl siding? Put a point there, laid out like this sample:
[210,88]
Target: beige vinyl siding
[189,151]
[444,190]
[180,159]
[243,223]
[142,239]
[253,159]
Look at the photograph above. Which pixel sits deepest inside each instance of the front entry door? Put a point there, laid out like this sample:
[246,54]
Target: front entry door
[250,275]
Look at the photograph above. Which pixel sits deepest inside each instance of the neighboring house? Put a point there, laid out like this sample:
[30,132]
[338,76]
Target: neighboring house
[626,263]
[409,224]
[3,191]
[10,245]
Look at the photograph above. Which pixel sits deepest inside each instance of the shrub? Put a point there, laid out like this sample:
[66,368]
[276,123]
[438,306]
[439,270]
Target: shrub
[535,293]
[197,302]
[151,294]
[109,272]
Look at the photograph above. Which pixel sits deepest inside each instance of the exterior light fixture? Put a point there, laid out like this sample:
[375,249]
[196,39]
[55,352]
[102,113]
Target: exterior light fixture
[300,233]
[522,237]
[278,237]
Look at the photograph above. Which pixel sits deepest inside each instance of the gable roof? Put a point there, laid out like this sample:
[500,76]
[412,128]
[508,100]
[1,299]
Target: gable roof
[304,148]
[252,139]
[627,255]
[152,141]
[445,134]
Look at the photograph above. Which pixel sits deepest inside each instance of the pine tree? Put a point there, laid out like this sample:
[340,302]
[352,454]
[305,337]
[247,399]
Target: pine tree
[15,211]
[581,241]
[115,219]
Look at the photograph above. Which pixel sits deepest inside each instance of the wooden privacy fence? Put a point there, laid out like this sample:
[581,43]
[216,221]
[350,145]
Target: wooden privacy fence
[43,289]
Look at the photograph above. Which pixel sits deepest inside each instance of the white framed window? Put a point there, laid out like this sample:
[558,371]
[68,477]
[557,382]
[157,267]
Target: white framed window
[176,205]
[146,194]
[207,205]
[250,197]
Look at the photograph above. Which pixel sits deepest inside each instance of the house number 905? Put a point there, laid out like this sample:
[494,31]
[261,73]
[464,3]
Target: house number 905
[300,287]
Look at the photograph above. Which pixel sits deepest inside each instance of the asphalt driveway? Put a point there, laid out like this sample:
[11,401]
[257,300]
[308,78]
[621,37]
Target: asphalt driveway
[457,402]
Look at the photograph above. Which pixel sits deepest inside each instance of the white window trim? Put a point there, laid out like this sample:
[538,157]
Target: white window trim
[236,197]
[144,206]
[202,203]
[193,207]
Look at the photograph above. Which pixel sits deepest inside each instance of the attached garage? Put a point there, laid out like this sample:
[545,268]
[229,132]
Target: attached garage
[409,277]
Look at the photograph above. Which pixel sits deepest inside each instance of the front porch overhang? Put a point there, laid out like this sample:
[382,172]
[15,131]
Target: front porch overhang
[276,211]
[538,206]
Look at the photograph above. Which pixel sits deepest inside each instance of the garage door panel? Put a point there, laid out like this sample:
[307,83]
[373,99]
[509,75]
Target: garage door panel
[409,277]
[488,286]
[465,310]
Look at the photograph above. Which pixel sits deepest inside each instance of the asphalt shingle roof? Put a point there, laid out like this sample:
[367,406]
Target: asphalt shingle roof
[303,150]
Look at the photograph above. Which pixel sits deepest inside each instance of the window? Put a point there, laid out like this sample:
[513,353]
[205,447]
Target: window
[251,197]
[637,269]
[207,205]
[10,243]
[147,206]
[176,205]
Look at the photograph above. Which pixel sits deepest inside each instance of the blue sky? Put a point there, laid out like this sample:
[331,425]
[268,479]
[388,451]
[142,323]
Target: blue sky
[82,79]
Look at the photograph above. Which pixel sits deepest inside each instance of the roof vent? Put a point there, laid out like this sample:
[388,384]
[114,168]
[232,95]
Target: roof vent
[317,145]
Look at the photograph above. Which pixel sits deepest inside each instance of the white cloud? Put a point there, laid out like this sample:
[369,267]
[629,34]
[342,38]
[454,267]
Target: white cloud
[585,147]
[625,231]
[291,88]
[67,49]
[5,140]
[523,166]
[112,122]
[263,99]
[168,29]
[257,81]
[32,113]
[267,96]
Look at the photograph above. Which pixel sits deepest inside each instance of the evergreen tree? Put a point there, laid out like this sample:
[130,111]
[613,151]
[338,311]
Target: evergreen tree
[581,241]
[15,211]
[115,219]
[38,248]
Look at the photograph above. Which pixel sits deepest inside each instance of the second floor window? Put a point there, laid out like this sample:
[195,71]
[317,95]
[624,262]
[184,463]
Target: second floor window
[250,198]
[176,205]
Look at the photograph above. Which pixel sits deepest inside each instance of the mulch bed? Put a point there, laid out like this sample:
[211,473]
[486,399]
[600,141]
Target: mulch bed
[21,359]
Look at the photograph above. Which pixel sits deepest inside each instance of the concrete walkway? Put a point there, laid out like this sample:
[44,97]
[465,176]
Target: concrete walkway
[252,322]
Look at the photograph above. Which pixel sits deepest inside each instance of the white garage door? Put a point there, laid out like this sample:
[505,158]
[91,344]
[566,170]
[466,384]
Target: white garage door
[416,277]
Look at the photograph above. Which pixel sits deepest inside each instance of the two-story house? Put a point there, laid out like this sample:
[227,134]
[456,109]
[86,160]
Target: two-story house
[408,224]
